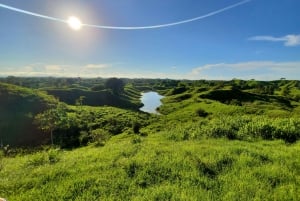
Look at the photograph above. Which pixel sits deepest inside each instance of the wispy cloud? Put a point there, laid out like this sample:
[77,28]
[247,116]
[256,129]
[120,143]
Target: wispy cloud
[54,68]
[259,70]
[288,40]
[97,66]
[263,70]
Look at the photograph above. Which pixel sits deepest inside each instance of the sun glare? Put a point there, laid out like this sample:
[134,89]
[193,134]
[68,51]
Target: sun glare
[74,23]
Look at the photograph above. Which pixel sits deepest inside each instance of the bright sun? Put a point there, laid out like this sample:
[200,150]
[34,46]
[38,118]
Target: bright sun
[74,23]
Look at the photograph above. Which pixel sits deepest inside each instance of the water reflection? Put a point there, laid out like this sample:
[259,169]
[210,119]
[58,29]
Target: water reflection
[151,101]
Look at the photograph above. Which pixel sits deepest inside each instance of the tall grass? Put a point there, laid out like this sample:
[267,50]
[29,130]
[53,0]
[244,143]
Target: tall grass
[247,127]
[154,168]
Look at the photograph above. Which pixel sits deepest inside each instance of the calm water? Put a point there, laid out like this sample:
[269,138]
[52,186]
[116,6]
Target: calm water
[151,101]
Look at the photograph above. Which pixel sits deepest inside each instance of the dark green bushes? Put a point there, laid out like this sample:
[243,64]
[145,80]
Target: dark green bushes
[136,127]
[178,90]
[97,137]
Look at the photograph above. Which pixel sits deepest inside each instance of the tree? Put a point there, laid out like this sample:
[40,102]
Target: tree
[79,101]
[115,84]
[52,119]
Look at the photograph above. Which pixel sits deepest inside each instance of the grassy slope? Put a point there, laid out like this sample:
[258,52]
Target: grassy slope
[161,167]
[18,105]
[154,168]
[129,99]
[229,102]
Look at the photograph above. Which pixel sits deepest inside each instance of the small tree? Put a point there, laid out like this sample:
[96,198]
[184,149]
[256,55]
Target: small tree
[52,119]
[136,127]
[79,101]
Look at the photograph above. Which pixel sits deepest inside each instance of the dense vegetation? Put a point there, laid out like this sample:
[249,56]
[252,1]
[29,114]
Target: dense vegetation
[215,140]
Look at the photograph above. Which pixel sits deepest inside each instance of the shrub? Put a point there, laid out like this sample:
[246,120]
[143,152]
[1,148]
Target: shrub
[136,140]
[38,159]
[100,136]
[201,112]
[136,127]
[253,127]
[53,155]
[178,90]
[131,169]
[84,138]
[287,129]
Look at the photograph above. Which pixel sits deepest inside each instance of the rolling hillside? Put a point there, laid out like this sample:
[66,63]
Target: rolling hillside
[18,106]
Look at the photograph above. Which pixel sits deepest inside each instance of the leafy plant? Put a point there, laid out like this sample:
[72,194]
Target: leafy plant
[53,119]
[99,136]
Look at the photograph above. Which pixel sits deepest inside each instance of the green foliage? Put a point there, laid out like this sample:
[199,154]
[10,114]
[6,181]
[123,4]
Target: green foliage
[18,106]
[53,119]
[98,87]
[246,148]
[45,157]
[246,128]
[84,138]
[136,126]
[99,136]
[94,98]
[115,84]
[201,112]
[177,90]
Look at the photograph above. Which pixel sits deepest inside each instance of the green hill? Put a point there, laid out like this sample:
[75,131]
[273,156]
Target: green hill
[93,98]
[214,140]
[18,106]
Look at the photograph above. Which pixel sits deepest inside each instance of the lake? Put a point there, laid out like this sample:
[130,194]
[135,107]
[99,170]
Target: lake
[151,101]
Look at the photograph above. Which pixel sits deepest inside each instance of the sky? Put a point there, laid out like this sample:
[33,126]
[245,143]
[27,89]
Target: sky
[258,39]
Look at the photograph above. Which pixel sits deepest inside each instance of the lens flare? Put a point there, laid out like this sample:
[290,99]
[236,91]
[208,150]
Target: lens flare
[74,23]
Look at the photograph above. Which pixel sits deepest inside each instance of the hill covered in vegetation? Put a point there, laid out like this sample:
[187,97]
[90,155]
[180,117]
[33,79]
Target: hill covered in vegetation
[213,140]
[18,106]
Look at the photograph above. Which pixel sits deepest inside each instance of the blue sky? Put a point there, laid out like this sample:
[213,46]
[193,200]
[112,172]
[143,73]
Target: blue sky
[257,40]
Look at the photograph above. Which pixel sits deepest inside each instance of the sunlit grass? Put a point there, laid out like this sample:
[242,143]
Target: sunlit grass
[155,168]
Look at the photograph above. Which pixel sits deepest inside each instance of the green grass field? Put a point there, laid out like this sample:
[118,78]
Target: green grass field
[214,140]
[130,167]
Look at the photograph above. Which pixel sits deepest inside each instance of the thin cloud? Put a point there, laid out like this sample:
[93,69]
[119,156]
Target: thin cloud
[259,70]
[263,70]
[53,68]
[288,40]
[97,66]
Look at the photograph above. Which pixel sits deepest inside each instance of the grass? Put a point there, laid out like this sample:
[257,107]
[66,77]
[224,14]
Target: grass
[155,168]
[214,141]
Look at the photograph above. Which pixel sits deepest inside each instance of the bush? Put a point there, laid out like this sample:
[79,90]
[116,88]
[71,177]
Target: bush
[84,138]
[253,127]
[136,127]
[136,140]
[38,159]
[46,157]
[287,129]
[53,155]
[100,136]
[201,112]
